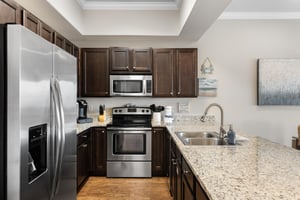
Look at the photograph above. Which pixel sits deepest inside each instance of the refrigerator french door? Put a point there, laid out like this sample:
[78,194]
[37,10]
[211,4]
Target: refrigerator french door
[38,117]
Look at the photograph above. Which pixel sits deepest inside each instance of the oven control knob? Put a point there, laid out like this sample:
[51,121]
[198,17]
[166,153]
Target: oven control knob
[120,110]
[143,110]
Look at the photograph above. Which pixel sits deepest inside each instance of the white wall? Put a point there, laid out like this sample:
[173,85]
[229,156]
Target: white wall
[233,47]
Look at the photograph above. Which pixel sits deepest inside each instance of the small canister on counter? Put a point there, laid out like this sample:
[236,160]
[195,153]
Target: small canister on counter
[102,113]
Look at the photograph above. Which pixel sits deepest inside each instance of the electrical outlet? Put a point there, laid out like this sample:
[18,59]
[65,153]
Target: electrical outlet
[183,107]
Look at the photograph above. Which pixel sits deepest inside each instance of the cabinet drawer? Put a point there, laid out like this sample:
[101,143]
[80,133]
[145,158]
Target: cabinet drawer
[188,174]
[82,137]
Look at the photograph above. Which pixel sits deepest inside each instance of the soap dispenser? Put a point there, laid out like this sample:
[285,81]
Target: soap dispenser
[231,137]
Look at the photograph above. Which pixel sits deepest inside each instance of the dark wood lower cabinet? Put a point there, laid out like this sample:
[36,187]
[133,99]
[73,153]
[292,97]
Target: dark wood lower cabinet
[83,145]
[200,194]
[98,152]
[183,184]
[187,193]
[159,156]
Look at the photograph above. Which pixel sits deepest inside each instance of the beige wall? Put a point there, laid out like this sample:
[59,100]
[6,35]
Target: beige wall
[233,47]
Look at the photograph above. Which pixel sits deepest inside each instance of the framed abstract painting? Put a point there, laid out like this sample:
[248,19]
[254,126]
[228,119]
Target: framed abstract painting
[278,82]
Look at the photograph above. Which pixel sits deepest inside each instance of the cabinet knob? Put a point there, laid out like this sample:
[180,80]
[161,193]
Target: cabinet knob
[178,92]
[154,131]
[186,171]
[171,93]
[134,67]
[106,92]
[102,131]
[84,136]
[84,145]
[127,67]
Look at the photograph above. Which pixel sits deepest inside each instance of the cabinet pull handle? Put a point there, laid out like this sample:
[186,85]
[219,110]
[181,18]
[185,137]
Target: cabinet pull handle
[84,145]
[102,131]
[174,162]
[84,136]
[178,92]
[127,67]
[186,172]
[134,67]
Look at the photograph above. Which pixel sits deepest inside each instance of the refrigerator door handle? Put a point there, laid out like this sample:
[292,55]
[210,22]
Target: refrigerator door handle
[56,137]
[62,134]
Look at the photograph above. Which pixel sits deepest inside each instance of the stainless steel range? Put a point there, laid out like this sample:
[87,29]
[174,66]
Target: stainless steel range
[129,142]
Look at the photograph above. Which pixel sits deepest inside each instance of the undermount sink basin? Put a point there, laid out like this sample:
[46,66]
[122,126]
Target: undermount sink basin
[199,138]
[202,141]
[203,134]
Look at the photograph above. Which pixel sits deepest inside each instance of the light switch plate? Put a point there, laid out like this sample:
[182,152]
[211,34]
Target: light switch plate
[183,107]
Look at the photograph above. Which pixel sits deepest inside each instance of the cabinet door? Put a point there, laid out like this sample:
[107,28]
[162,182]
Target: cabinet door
[31,22]
[119,60]
[82,163]
[95,72]
[158,152]
[59,40]
[163,72]
[46,32]
[187,193]
[142,60]
[99,151]
[68,46]
[9,13]
[186,73]
[200,194]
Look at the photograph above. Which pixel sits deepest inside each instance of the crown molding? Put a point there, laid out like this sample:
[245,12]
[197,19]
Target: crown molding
[259,15]
[117,5]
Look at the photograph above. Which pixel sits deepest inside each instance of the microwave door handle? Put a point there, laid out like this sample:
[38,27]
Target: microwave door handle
[144,86]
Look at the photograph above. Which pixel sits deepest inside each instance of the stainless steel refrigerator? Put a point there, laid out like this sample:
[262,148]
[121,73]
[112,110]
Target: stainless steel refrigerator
[37,117]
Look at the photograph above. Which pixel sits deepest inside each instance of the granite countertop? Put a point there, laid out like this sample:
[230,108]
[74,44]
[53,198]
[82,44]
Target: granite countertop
[258,169]
[95,123]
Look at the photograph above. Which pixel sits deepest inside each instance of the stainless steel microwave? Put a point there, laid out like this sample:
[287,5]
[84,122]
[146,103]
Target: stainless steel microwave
[130,85]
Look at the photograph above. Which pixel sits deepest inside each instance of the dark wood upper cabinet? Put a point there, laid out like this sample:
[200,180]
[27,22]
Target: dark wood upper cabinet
[159,155]
[31,22]
[119,59]
[59,40]
[175,73]
[68,47]
[127,61]
[163,72]
[142,60]
[95,72]
[187,73]
[46,32]
[10,12]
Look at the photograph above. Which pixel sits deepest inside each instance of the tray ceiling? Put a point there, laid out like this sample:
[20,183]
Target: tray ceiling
[130,4]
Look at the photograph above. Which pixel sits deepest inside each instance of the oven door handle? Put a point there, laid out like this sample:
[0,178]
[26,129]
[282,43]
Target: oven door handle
[129,128]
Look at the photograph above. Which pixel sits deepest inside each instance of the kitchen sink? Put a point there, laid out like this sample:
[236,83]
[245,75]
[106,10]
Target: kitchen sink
[199,138]
[197,134]
[202,141]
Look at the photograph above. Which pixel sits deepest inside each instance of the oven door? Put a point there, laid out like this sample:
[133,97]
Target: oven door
[129,144]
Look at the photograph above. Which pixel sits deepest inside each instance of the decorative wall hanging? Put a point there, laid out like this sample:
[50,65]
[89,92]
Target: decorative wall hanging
[278,82]
[207,81]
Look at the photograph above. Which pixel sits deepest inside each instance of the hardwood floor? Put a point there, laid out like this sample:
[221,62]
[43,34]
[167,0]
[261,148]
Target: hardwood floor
[102,188]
